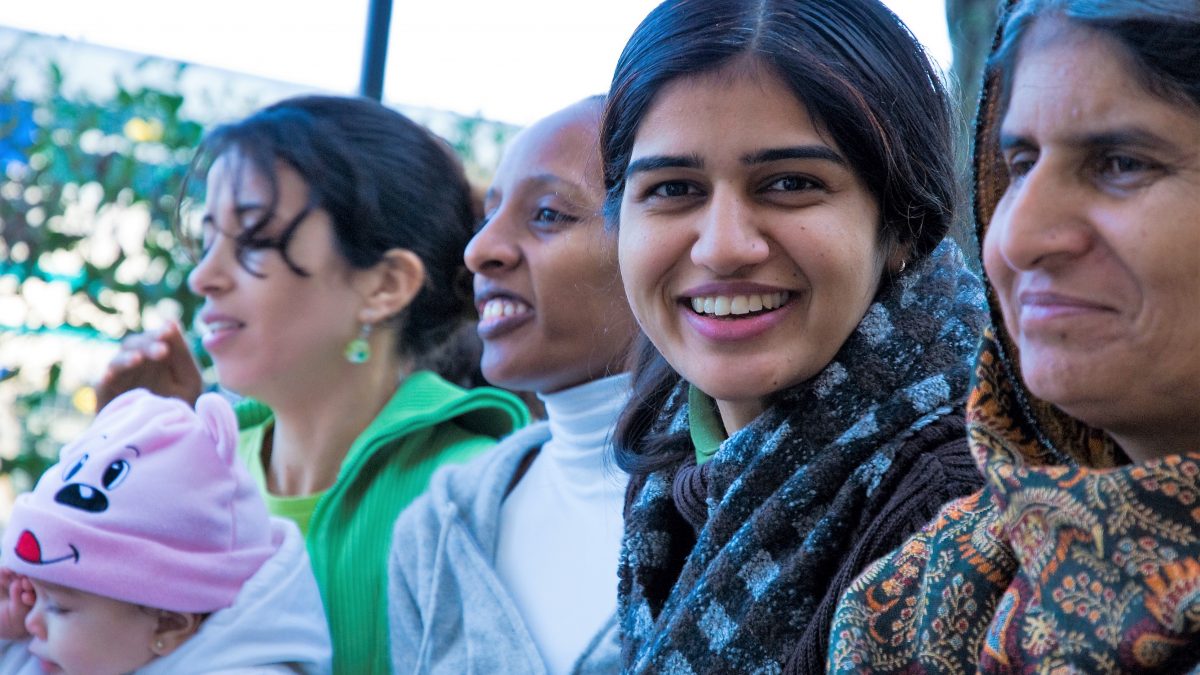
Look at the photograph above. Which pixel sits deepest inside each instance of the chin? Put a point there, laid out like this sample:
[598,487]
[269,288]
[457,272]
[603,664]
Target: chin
[507,378]
[746,383]
[1081,395]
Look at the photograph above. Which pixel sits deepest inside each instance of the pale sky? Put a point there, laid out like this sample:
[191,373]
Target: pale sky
[510,60]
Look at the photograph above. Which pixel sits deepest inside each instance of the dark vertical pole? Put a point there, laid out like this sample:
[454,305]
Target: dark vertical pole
[379,21]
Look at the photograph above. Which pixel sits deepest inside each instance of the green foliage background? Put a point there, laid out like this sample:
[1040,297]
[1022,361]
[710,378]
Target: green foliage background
[126,156]
[115,165]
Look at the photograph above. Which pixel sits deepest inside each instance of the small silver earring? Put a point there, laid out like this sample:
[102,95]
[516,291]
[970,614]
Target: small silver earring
[158,645]
[903,264]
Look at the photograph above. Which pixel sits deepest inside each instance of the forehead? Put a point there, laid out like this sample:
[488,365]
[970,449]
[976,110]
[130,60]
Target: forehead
[565,144]
[57,590]
[233,169]
[735,107]
[1073,78]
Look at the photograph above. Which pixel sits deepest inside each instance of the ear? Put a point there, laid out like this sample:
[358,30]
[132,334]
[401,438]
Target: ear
[220,422]
[897,258]
[390,285]
[174,628]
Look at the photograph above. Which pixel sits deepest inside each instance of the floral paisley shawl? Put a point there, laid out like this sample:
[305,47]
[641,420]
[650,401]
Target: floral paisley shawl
[1069,560]
[1053,567]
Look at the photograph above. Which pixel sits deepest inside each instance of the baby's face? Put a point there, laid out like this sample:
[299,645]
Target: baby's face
[78,632]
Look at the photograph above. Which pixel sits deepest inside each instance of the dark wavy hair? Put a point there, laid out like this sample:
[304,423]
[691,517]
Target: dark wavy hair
[386,182]
[864,79]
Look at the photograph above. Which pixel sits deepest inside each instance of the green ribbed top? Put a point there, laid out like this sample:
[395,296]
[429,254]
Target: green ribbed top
[704,425]
[428,423]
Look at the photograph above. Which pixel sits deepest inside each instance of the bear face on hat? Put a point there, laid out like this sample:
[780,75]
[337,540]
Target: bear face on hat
[150,506]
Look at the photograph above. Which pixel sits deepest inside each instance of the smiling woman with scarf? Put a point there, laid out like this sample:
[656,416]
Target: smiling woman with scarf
[1082,552]
[781,176]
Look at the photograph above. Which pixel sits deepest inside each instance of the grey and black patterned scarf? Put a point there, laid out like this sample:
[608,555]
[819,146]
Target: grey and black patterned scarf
[784,493]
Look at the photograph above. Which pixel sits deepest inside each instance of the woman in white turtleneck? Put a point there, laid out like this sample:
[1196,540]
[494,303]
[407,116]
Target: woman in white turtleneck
[508,564]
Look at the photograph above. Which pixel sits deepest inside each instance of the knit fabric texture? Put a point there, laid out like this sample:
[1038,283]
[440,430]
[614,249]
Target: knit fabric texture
[931,469]
[784,494]
[149,506]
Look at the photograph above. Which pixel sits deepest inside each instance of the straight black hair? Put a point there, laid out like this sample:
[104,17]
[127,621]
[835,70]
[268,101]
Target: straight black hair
[864,79]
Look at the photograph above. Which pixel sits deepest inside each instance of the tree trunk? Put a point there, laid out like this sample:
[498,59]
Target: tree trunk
[972,25]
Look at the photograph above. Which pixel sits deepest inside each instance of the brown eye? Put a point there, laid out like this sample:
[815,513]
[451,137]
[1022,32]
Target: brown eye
[794,184]
[672,189]
[1020,164]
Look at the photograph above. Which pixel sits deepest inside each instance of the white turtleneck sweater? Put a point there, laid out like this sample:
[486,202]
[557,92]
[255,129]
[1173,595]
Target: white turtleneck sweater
[561,526]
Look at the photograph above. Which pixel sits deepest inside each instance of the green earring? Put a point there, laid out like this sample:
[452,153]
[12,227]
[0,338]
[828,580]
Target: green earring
[359,350]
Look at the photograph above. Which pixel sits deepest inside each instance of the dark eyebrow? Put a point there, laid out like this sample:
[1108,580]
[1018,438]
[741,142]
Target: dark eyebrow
[796,152]
[655,162]
[542,181]
[1131,137]
[548,181]
[1138,138]
[238,209]
[136,452]
[1011,141]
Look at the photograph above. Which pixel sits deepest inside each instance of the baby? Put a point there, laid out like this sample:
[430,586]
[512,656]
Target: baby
[148,549]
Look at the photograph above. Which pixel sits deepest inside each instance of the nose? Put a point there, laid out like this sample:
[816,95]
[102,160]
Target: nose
[35,620]
[1040,222]
[494,247]
[211,275]
[729,239]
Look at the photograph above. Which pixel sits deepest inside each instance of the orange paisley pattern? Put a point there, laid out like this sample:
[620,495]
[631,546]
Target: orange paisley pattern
[1064,562]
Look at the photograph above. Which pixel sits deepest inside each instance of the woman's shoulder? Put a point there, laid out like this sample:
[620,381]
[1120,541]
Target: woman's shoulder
[933,462]
[469,493]
[930,468]
[467,483]
[936,572]
[424,398]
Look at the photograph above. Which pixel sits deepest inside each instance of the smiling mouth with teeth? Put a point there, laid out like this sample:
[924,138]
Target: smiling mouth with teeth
[502,307]
[217,327]
[738,305]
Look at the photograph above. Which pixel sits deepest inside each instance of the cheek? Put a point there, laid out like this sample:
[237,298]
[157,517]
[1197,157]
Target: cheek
[645,258]
[631,263]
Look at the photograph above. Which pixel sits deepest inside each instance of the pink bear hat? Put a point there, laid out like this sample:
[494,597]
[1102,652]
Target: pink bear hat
[150,506]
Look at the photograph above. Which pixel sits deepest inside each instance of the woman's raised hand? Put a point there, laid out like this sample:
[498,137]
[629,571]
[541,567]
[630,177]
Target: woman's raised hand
[158,360]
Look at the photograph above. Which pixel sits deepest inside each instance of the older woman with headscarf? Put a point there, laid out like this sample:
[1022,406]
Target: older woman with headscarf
[1082,553]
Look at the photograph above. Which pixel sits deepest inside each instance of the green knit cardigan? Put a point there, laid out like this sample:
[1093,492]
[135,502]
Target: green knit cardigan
[427,423]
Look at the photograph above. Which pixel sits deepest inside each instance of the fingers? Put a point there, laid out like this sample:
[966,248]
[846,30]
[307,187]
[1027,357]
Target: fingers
[158,360]
[28,595]
[177,355]
[15,593]
[149,345]
[16,607]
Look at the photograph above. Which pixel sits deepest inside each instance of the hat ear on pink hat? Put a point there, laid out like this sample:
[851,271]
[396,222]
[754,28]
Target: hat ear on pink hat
[150,506]
[216,414]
